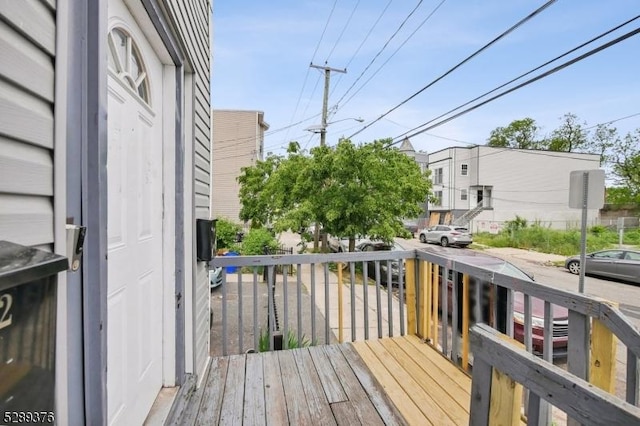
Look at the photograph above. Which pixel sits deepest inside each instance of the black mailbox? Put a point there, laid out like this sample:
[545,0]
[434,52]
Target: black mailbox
[28,279]
[205,239]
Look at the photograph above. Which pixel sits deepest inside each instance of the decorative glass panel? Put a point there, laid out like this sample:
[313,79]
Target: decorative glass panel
[126,62]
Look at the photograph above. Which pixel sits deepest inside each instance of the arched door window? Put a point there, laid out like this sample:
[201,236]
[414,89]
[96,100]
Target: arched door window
[125,60]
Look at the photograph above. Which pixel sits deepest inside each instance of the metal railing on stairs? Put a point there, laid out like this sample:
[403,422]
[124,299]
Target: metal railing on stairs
[470,214]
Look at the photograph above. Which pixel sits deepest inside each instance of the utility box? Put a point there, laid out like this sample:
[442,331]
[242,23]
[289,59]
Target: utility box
[28,280]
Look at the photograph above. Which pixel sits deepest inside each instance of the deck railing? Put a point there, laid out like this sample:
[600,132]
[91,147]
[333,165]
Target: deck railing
[305,302]
[592,329]
[330,302]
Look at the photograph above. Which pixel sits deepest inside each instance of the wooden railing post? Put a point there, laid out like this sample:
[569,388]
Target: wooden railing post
[603,356]
[422,302]
[434,303]
[410,282]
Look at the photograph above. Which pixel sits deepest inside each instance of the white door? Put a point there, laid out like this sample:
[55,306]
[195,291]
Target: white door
[135,256]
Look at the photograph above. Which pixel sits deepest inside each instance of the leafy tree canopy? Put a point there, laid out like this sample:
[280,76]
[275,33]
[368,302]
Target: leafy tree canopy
[619,155]
[521,134]
[352,190]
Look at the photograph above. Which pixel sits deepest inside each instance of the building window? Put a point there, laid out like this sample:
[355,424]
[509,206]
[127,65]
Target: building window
[464,169]
[126,62]
[463,194]
[437,195]
[437,177]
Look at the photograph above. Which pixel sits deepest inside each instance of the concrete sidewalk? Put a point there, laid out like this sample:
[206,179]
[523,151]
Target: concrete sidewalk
[358,299]
[544,259]
[361,300]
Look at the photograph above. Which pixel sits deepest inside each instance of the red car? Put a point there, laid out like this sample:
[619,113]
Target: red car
[560,314]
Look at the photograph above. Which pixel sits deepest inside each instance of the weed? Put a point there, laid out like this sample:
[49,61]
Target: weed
[292,341]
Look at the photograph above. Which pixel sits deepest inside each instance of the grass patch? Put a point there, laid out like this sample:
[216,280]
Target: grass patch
[546,240]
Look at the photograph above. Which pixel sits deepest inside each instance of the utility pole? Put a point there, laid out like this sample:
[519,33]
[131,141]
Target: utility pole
[323,133]
[325,99]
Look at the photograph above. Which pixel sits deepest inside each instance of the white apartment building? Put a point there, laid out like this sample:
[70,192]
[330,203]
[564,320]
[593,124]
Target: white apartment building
[493,185]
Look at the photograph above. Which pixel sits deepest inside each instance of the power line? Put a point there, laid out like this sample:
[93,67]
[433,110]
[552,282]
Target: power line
[306,76]
[394,53]
[467,59]
[366,37]
[346,25]
[594,39]
[613,121]
[381,50]
[531,80]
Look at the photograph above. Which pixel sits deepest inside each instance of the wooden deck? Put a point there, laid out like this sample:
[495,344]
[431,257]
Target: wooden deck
[391,381]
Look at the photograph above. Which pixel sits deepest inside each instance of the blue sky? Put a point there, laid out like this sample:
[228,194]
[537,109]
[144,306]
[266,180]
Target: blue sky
[262,51]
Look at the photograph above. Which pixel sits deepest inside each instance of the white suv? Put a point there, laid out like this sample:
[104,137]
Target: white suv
[446,235]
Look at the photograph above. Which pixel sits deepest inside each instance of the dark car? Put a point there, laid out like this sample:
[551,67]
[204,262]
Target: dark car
[369,246]
[560,314]
[411,226]
[618,264]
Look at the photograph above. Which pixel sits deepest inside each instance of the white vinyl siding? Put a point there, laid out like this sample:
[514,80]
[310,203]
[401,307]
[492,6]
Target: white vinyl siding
[192,19]
[27,48]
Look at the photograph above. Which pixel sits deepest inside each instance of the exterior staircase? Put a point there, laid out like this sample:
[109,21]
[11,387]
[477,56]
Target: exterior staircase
[469,215]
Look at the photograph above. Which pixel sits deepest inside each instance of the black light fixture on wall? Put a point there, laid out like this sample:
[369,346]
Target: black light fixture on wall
[205,239]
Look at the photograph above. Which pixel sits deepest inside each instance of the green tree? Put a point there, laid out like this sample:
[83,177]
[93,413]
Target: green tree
[621,155]
[521,134]
[625,163]
[226,233]
[620,195]
[571,136]
[352,190]
[254,196]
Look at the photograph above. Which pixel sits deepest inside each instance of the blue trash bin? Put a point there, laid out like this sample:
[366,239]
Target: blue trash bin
[231,269]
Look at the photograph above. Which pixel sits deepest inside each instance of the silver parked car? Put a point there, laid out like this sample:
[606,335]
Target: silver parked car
[215,277]
[619,264]
[446,235]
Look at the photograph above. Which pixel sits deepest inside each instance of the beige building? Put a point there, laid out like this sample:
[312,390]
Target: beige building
[238,141]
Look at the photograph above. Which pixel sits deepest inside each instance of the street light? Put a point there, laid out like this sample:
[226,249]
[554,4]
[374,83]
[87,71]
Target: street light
[319,128]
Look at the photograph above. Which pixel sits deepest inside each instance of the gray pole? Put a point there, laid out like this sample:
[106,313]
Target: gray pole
[325,102]
[583,231]
[323,129]
[325,99]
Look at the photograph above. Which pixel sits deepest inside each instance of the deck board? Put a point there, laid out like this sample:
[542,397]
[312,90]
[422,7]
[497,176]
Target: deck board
[430,384]
[345,414]
[232,409]
[330,381]
[211,402]
[254,404]
[411,387]
[297,406]
[393,381]
[319,409]
[274,401]
[387,411]
[362,405]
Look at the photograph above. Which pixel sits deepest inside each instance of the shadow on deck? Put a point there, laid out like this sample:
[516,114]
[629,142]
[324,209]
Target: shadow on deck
[398,380]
